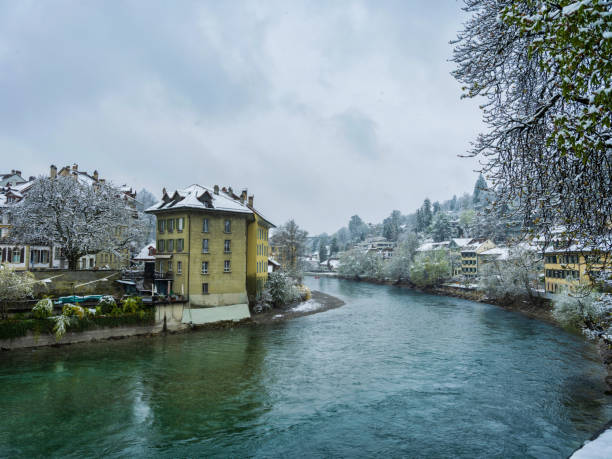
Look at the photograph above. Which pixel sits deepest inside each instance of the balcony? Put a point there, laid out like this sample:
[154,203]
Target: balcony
[160,275]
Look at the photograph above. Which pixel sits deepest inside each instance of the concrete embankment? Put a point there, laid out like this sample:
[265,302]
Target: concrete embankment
[173,318]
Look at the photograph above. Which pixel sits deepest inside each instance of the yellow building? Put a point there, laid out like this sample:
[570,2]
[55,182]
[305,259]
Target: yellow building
[469,256]
[570,268]
[212,246]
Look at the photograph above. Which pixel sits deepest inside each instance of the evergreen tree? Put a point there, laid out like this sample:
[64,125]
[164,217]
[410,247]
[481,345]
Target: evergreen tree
[441,229]
[333,249]
[426,213]
[357,228]
[322,252]
[436,207]
[480,190]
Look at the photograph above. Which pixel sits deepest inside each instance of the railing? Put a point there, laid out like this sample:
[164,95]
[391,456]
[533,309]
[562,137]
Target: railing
[163,275]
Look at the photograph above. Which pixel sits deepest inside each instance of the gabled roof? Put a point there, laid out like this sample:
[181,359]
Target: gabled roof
[501,253]
[199,197]
[204,198]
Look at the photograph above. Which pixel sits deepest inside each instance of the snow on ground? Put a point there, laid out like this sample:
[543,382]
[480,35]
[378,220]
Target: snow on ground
[310,305]
[600,448]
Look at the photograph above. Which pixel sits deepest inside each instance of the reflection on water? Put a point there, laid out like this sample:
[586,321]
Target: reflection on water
[392,373]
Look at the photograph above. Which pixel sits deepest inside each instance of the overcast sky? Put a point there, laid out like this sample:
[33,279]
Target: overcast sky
[322,109]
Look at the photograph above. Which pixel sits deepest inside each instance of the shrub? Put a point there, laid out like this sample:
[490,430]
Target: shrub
[282,289]
[43,308]
[106,304]
[62,322]
[587,311]
[132,304]
[430,268]
[72,310]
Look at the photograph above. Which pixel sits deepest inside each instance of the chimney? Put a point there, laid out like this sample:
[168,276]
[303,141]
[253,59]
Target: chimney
[53,171]
[95,175]
[251,200]
[224,189]
[216,189]
[75,167]
[12,171]
[18,172]
[243,196]
[229,189]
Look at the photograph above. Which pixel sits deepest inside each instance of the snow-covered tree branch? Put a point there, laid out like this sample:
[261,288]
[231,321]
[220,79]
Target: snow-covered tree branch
[545,72]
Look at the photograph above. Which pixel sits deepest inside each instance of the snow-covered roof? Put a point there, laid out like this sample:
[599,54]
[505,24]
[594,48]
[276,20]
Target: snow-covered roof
[462,242]
[501,253]
[272,261]
[200,197]
[428,246]
[143,255]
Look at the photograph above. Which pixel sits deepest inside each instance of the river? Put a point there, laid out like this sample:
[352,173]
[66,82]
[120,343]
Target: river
[393,373]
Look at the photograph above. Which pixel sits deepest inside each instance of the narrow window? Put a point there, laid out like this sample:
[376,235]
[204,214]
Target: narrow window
[205,225]
[180,243]
[180,224]
[228,226]
[204,288]
[170,245]
[179,267]
[169,265]
[161,225]
[204,245]
[226,266]
[204,267]
[226,246]
[170,225]
[161,246]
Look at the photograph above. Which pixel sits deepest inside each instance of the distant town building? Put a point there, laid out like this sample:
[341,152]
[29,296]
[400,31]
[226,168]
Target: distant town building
[469,255]
[568,267]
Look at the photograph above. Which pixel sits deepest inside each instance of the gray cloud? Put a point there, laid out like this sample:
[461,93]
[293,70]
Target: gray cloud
[323,109]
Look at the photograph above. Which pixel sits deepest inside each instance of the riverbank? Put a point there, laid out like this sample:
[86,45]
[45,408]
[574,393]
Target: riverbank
[320,302]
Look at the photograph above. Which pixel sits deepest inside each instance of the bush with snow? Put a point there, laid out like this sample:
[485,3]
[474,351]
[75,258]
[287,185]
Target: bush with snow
[588,311]
[283,289]
[106,304]
[430,268]
[43,308]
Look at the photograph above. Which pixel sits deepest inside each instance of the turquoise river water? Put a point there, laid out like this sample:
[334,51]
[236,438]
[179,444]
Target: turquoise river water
[393,373]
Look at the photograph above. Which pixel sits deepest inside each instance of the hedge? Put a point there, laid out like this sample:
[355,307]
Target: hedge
[14,328]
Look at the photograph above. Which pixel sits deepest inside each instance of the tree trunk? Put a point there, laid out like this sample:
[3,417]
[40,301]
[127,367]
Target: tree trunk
[73,261]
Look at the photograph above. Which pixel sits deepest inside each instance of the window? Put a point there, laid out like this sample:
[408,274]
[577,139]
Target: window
[161,225]
[179,267]
[170,245]
[204,267]
[227,267]
[180,223]
[180,245]
[227,246]
[170,225]
[169,265]
[161,246]
[161,266]
[228,226]
[204,245]
[204,288]
[205,225]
